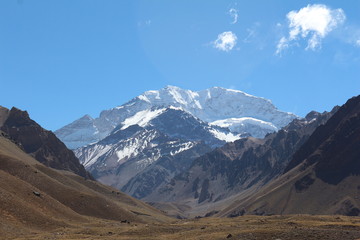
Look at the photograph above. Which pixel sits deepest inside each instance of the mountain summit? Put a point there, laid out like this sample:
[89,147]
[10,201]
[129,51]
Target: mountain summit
[233,109]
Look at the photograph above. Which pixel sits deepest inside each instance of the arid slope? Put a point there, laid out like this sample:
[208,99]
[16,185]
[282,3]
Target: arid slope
[323,177]
[35,197]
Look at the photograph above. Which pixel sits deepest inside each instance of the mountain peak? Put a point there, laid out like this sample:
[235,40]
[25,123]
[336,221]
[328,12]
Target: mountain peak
[171,87]
[254,115]
[86,117]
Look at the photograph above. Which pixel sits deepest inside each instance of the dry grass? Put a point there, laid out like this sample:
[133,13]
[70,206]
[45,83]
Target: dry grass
[247,227]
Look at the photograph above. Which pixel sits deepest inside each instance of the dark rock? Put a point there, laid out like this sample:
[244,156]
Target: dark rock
[237,213]
[204,194]
[304,183]
[43,145]
[335,146]
[212,213]
[36,193]
[229,236]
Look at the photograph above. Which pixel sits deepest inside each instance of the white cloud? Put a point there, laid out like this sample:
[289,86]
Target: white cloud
[282,44]
[234,14]
[144,23]
[313,23]
[225,41]
[357,43]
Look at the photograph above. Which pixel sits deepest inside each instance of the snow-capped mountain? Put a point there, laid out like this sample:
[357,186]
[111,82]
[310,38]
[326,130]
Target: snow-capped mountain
[240,167]
[159,142]
[141,145]
[240,112]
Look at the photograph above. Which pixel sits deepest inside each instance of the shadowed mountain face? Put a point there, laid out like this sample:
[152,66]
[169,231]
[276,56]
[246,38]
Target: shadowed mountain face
[43,145]
[334,147]
[247,163]
[323,177]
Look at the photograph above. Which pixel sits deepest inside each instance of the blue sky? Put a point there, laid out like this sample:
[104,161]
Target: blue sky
[61,59]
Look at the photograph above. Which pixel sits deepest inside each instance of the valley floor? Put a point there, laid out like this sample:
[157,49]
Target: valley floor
[247,227]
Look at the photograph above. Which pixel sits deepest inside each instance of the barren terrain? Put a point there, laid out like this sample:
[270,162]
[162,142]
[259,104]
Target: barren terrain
[246,227]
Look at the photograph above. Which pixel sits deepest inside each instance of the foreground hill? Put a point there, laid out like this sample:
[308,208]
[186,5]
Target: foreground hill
[323,177]
[36,197]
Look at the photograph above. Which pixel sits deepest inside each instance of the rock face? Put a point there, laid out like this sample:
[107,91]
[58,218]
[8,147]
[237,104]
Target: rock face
[236,110]
[322,177]
[43,145]
[334,147]
[245,164]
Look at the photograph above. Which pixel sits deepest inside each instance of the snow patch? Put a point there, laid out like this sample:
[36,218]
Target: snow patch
[183,147]
[144,98]
[231,122]
[256,127]
[227,137]
[127,152]
[96,152]
[142,118]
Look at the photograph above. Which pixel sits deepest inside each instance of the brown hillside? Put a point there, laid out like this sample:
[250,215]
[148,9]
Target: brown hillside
[322,178]
[33,196]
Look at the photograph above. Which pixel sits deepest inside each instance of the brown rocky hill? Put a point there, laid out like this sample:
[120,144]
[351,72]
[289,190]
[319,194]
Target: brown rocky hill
[323,177]
[36,197]
[241,167]
[43,145]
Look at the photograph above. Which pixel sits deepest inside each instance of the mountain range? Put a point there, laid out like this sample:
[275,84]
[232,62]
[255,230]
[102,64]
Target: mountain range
[181,164]
[236,110]
[244,165]
[158,134]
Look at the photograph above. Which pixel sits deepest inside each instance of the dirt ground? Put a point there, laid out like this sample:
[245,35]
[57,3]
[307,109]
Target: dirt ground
[247,227]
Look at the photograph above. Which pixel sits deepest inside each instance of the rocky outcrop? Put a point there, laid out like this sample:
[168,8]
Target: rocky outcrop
[43,145]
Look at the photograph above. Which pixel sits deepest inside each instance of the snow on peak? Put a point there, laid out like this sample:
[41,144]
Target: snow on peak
[209,105]
[142,118]
[214,103]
